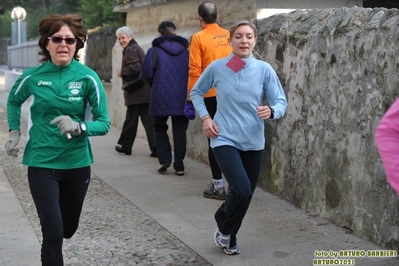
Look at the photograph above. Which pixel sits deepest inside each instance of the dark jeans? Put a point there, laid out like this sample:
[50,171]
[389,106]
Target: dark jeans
[162,143]
[211,106]
[241,170]
[58,196]
[129,129]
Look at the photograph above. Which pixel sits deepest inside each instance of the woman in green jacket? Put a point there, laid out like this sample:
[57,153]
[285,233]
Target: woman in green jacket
[67,106]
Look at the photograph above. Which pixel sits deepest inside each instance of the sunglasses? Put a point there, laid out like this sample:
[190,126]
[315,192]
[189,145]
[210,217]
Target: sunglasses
[56,39]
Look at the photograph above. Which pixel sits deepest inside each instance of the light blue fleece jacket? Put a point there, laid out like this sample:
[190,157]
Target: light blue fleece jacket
[238,94]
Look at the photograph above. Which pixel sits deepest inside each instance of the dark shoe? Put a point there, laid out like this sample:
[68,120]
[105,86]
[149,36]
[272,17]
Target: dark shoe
[163,167]
[154,154]
[212,193]
[179,173]
[120,149]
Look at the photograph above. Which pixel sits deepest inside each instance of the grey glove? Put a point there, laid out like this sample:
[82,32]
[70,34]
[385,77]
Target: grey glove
[12,142]
[66,125]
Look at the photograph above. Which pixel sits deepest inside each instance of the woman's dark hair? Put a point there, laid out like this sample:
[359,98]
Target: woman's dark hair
[52,24]
[166,28]
[208,11]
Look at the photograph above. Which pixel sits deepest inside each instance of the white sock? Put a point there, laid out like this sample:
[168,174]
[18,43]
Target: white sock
[217,183]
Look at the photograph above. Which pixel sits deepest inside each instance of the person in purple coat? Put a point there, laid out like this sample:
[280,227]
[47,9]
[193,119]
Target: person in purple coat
[165,68]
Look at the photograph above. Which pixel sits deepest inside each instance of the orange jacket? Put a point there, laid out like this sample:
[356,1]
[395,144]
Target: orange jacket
[209,44]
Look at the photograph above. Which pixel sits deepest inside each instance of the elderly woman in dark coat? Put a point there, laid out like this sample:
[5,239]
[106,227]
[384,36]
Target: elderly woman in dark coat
[137,102]
[166,70]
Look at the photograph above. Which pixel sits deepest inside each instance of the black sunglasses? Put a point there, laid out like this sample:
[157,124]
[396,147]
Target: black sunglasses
[56,39]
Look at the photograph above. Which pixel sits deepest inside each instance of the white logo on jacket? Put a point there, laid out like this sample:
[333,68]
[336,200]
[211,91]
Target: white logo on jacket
[41,82]
[74,99]
[74,85]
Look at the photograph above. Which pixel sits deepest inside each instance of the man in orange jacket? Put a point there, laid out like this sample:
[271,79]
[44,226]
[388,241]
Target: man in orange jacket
[207,45]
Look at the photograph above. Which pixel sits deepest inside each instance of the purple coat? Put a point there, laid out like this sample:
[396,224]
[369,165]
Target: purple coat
[168,77]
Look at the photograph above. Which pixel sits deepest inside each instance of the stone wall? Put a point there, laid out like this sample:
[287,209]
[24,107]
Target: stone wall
[339,69]
[99,52]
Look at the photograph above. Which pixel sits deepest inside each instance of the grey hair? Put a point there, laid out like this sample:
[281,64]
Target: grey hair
[125,30]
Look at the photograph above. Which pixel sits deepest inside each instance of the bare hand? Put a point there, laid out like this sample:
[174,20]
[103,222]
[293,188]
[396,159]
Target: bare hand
[209,128]
[264,112]
[119,74]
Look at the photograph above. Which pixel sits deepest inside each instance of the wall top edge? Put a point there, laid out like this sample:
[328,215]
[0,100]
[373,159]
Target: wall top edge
[22,45]
[123,8]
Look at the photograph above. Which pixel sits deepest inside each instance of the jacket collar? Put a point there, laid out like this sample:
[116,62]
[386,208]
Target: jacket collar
[51,66]
[176,38]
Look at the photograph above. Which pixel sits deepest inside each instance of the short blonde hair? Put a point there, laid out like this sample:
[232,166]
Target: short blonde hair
[243,23]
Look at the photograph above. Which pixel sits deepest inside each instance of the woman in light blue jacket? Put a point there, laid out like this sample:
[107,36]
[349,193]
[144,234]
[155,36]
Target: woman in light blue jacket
[237,130]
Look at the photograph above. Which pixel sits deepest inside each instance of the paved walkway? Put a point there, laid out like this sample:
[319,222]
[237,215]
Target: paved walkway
[135,216]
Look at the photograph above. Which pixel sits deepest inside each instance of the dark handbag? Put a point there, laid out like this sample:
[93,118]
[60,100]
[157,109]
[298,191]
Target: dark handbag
[131,84]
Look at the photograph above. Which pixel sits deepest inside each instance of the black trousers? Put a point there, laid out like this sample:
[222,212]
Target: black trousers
[164,149]
[129,129]
[211,106]
[242,170]
[58,196]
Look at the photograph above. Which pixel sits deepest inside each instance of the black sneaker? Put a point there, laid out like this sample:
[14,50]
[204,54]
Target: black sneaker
[163,167]
[179,173]
[212,193]
[120,149]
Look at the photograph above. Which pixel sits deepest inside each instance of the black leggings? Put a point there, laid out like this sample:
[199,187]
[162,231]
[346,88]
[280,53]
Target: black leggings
[58,196]
[211,106]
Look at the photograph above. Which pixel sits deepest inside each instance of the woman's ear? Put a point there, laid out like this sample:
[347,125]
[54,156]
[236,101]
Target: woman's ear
[254,43]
